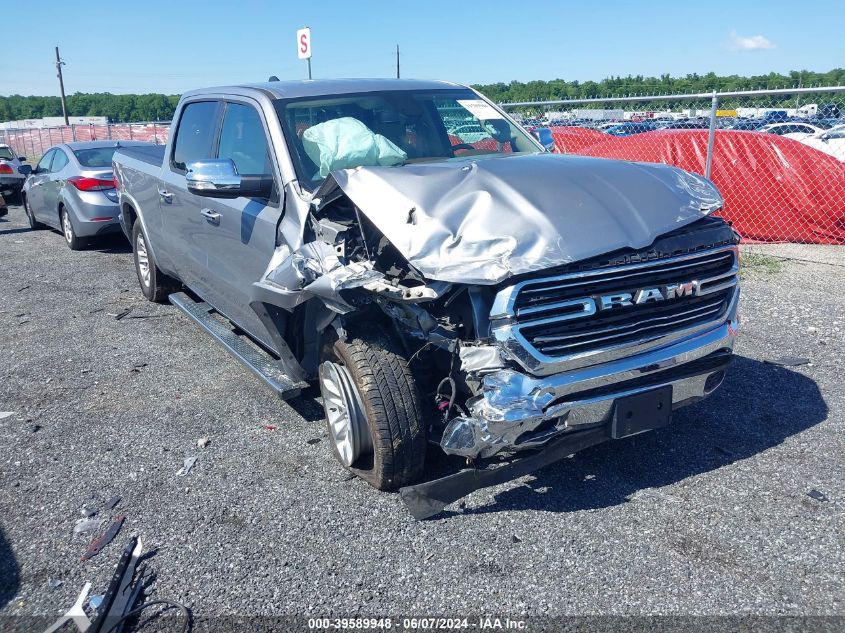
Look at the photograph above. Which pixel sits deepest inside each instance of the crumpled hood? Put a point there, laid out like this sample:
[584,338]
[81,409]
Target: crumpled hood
[484,220]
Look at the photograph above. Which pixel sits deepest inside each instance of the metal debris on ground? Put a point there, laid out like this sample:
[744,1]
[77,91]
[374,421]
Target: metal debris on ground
[203,442]
[789,361]
[187,465]
[75,613]
[312,441]
[123,313]
[100,542]
[138,367]
[112,502]
[6,414]
[515,539]
[23,288]
[817,495]
[54,583]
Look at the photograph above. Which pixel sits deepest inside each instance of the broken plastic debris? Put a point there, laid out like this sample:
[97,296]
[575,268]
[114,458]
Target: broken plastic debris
[6,414]
[270,427]
[86,526]
[100,542]
[88,511]
[55,584]
[202,442]
[817,495]
[112,502]
[96,601]
[186,466]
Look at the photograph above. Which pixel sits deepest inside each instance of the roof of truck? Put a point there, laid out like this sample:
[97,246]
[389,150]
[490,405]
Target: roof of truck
[322,87]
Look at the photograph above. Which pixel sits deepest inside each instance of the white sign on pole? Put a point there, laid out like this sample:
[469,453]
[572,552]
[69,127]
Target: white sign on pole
[303,43]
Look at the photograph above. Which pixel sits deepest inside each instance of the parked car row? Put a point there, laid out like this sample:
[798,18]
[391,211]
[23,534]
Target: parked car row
[823,134]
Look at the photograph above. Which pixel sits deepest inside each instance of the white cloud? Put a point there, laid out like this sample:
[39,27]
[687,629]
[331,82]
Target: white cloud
[750,43]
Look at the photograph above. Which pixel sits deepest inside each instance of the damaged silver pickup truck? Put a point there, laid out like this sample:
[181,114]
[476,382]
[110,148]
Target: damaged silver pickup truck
[480,294]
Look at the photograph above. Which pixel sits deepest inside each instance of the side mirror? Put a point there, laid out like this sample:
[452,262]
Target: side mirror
[544,135]
[26,170]
[219,178]
[22,159]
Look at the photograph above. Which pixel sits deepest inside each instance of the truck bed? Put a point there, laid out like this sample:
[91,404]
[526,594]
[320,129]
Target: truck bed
[151,154]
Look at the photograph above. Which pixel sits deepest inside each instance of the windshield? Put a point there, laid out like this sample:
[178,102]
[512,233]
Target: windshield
[6,154]
[95,157]
[394,128]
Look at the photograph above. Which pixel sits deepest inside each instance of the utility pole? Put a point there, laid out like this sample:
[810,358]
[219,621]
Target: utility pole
[397,61]
[59,64]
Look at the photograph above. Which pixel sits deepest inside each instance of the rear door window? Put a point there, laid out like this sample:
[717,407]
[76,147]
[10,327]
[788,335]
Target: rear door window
[195,135]
[60,160]
[43,165]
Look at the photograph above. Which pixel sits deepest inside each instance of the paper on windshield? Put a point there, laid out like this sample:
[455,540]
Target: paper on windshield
[480,109]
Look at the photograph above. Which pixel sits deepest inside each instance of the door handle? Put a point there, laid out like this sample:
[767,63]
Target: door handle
[210,216]
[165,195]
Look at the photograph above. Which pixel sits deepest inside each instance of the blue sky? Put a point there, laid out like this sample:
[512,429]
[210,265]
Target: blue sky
[173,46]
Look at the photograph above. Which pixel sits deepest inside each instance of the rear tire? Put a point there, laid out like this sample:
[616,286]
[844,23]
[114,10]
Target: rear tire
[34,224]
[155,285]
[74,242]
[385,395]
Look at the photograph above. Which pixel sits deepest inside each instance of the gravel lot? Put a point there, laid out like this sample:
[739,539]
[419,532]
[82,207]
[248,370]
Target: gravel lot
[709,516]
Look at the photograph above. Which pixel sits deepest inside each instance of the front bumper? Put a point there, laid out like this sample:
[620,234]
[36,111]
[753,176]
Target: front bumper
[518,411]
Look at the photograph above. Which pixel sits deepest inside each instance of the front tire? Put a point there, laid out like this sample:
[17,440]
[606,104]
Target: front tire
[74,242]
[373,409]
[155,285]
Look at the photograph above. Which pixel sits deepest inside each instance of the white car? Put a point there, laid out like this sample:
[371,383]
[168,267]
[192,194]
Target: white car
[830,141]
[11,175]
[470,133]
[791,129]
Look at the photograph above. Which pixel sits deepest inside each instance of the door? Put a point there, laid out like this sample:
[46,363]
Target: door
[35,194]
[240,234]
[180,210]
[53,184]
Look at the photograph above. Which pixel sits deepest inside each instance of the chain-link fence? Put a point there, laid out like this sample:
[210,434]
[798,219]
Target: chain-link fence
[777,156]
[34,142]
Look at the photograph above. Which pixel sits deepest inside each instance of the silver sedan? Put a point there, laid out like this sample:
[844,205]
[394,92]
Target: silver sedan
[72,189]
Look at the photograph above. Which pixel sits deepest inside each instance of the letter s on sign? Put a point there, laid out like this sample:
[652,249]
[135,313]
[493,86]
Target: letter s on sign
[303,43]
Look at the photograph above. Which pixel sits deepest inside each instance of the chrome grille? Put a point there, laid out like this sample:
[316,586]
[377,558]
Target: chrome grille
[550,319]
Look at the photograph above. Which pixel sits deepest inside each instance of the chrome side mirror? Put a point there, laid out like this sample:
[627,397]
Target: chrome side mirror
[216,178]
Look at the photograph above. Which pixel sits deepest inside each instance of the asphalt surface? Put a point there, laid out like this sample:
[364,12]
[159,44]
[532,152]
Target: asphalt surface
[713,515]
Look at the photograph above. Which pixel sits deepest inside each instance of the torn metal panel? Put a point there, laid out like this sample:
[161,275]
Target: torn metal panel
[484,220]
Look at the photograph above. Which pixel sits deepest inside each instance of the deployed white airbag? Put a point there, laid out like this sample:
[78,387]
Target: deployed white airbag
[345,143]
